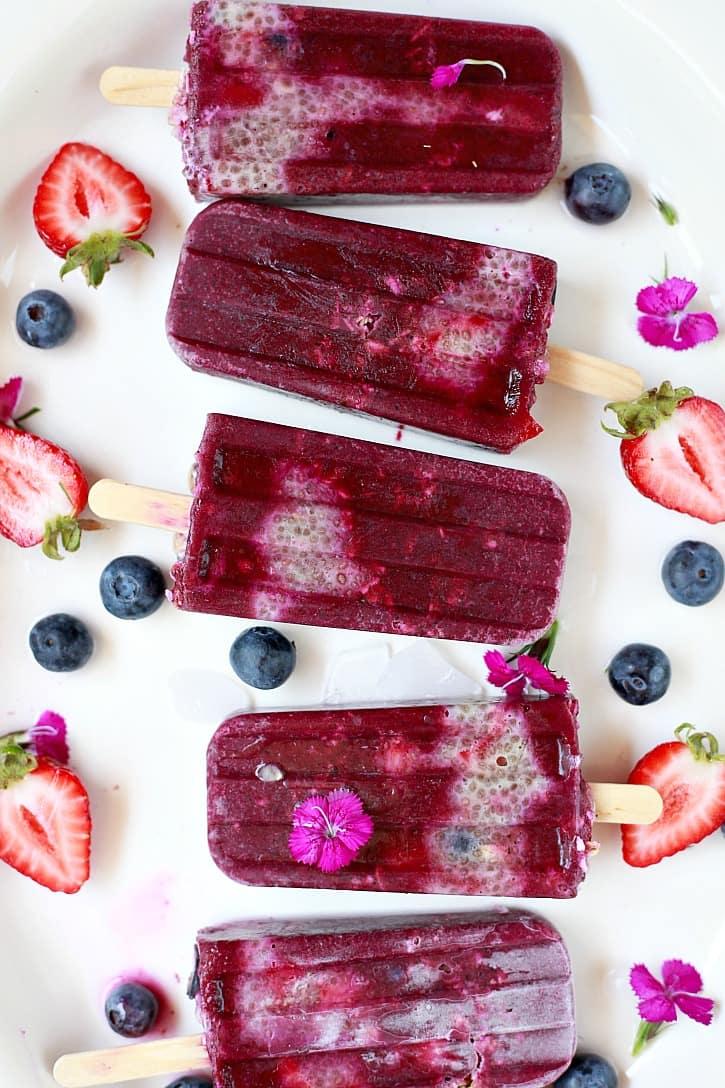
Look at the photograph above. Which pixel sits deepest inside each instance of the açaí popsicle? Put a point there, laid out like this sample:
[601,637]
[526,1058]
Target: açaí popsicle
[440,334]
[481,999]
[287,524]
[297,102]
[479,799]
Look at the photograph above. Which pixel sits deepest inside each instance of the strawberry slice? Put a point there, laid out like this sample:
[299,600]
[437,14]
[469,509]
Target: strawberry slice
[88,208]
[673,450]
[45,825]
[689,775]
[42,491]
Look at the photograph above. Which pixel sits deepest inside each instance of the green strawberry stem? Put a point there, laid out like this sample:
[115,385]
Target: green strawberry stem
[704,746]
[96,255]
[15,760]
[644,414]
[645,1032]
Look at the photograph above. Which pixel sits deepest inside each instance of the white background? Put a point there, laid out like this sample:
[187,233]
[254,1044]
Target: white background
[642,88]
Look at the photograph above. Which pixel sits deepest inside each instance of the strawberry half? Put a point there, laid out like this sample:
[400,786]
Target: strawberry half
[45,820]
[689,775]
[42,491]
[673,450]
[88,208]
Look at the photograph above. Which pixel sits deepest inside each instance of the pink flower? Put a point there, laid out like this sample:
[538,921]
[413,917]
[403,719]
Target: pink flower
[48,737]
[666,323]
[9,397]
[448,74]
[329,831]
[513,678]
[659,1001]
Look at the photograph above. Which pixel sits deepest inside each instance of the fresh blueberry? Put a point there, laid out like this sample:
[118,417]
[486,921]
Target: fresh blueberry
[60,643]
[132,587]
[693,572]
[44,319]
[597,193]
[131,1009]
[640,673]
[192,1080]
[588,1071]
[262,657]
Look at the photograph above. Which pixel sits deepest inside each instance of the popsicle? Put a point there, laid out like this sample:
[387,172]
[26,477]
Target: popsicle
[444,335]
[477,799]
[482,999]
[289,101]
[287,524]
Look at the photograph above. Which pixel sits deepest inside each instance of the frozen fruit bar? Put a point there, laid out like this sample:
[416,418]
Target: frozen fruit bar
[444,335]
[287,524]
[483,1000]
[303,101]
[479,799]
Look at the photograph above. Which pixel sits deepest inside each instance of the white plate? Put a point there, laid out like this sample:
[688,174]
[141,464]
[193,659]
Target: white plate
[644,88]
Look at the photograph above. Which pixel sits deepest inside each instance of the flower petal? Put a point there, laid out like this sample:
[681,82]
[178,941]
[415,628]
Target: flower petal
[697,1008]
[447,74]
[657,1008]
[682,977]
[643,981]
[48,737]
[502,675]
[540,677]
[659,332]
[695,329]
[676,292]
[650,301]
[305,847]
[9,396]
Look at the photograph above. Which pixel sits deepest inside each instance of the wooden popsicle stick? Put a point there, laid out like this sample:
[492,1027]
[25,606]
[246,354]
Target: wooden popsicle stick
[140,86]
[131,1062]
[140,505]
[624,803]
[589,374]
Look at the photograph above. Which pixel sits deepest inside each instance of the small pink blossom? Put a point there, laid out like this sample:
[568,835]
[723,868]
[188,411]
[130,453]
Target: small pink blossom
[659,1002]
[329,831]
[48,737]
[513,678]
[446,75]
[666,323]
[9,396]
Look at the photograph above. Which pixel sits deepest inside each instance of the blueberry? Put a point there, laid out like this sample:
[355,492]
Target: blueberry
[192,1080]
[44,319]
[61,643]
[262,657]
[588,1071]
[131,1009]
[640,673]
[597,193]
[132,587]
[693,572]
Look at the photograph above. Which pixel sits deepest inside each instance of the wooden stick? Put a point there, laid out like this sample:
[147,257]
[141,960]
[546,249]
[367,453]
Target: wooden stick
[131,1062]
[588,374]
[140,86]
[622,803]
[140,505]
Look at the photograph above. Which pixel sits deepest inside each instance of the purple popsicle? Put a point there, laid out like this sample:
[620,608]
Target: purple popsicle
[289,101]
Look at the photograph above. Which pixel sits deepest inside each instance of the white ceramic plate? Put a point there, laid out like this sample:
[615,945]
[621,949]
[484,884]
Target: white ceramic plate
[641,89]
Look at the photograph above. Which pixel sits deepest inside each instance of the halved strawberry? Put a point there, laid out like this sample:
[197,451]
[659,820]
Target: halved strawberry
[42,491]
[689,775]
[45,826]
[88,208]
[673,450]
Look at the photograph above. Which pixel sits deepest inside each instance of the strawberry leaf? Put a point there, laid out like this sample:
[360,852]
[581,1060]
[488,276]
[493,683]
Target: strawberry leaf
[644,414]
[96,255]
[15,761]
[69,531]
